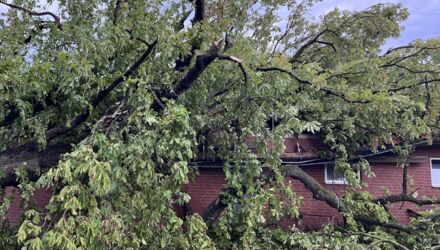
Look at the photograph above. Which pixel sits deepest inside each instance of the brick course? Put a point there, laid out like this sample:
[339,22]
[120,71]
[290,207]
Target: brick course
[207,185]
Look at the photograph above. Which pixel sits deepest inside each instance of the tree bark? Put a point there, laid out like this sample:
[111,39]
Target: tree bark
[29,159]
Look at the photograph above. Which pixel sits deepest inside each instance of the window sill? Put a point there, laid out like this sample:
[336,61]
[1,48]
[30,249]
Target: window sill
[338,183]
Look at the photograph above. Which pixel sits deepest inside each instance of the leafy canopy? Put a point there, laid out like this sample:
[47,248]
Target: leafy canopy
[134,91]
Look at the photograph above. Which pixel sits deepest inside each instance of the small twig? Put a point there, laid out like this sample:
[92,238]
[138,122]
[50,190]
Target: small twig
[377,238]
[157,99]
[328,44]
[325,90]
[411,86]
[375,243]
[314,39]
[400,59]
[398,48]
[288,27]
[428,99]
[181,24]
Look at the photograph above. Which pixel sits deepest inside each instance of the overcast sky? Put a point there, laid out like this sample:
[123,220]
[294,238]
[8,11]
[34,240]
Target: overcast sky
[423,22]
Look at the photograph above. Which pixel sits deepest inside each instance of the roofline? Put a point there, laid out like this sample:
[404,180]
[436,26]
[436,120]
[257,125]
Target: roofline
[318,161]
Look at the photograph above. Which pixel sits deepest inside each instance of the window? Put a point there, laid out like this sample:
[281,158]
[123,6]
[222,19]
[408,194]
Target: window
[435,172]
[332,177]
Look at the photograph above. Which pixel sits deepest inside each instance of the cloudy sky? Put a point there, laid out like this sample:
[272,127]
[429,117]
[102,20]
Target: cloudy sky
[423,22]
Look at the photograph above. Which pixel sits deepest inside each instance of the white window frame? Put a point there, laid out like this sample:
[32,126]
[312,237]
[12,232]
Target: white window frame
[335,182]
[430,163]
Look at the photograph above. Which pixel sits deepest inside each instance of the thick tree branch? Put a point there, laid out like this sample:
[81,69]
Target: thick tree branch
[405,179]
[79,119]
[319,192]
[28,155]
[328,44]
[200,11]
[14,113]
[330,92]
[333,200]
[202,62]
[322,194]
[414,71]
[29,159]
[368,220]
[181,24]
[199,16]
[213,211]
[116,10]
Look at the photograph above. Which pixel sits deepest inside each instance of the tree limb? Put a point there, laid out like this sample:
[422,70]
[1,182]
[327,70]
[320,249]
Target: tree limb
[240,64]
[286,32]
[116,10]
[379,240]
[200,11]
[411,86]
[325,90]
[391,50]
[34,13]
[31,158]
[328,44]
[400,59]
[79,119]
[413,70]
[213,211]
[368,220]
[319,192]
[181,24]
[333,200]
[405,197]
[202,62]
[313,40]
[14,113]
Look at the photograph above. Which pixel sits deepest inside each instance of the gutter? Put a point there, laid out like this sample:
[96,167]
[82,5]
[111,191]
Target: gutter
[316,161]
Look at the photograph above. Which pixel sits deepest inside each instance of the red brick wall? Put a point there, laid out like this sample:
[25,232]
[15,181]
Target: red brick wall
[389,176]
[207,185]
[205,188]
[40,199]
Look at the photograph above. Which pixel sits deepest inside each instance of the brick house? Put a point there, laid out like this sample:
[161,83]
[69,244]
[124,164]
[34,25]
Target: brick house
[424,170]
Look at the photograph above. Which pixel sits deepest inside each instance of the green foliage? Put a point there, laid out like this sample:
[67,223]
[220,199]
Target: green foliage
[118,187]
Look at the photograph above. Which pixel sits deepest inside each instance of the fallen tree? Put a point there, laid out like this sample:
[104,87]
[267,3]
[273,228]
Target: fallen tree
[109,102]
